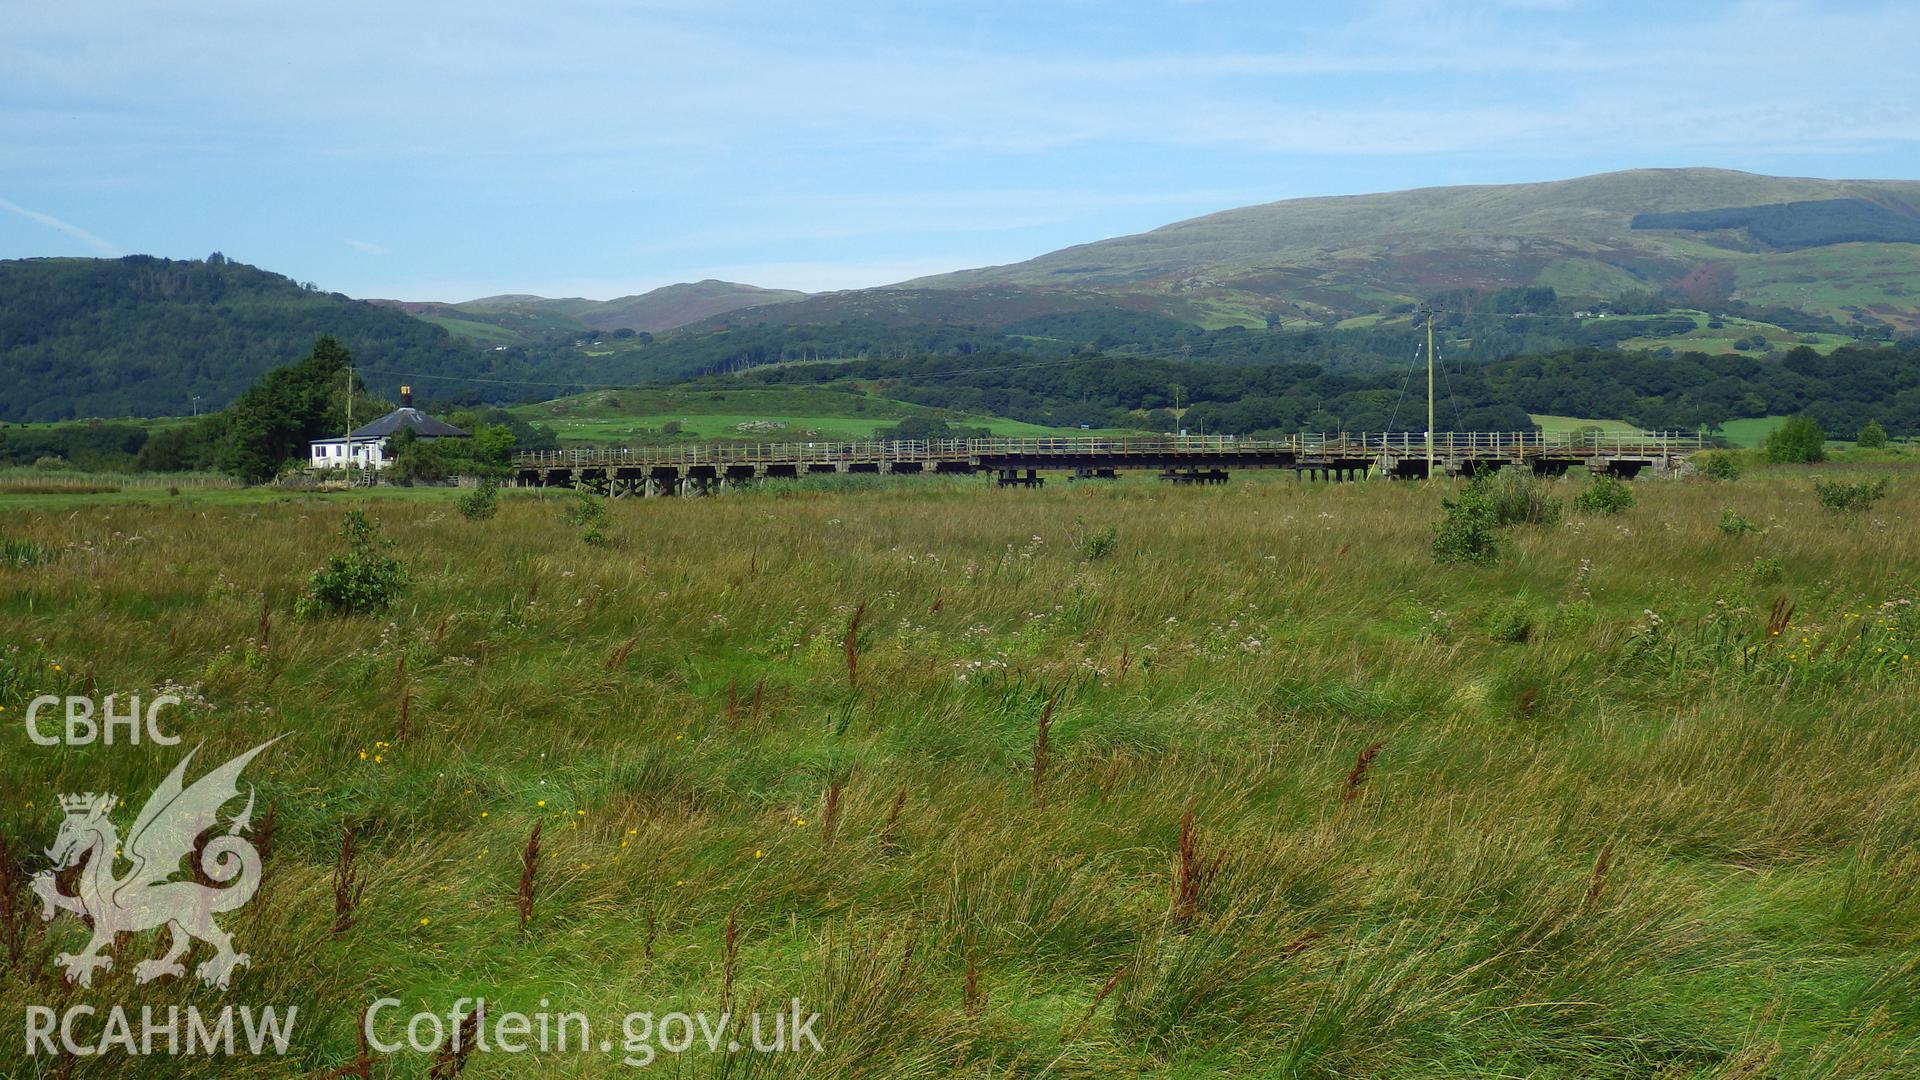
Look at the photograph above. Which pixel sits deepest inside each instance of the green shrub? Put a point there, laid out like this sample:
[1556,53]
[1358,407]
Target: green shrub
[588,513]
[1510,621]
[1764,570]
[1468,530]
[1845,497]
[1099,543]
[1799,441]
[1872,435]
[1720,465]
[362,579]
[1605,494]
[1520,498]
[480,503]
[1733,524]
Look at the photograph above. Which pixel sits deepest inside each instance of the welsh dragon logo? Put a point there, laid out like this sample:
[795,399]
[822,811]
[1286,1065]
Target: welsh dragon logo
[149,895]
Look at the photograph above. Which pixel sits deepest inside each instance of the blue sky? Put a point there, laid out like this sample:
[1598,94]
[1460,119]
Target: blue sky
[428,150]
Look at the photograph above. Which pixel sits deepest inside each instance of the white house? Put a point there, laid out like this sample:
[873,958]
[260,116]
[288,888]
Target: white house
[366,447]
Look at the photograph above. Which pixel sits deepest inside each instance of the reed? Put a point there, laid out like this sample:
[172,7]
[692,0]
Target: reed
[850,644]
[1362,768]
[529,874]
[1042,749]
[348,886]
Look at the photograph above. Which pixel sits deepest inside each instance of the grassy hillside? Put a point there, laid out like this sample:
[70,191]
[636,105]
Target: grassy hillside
[1578,815]
[673,306]
[1331,257]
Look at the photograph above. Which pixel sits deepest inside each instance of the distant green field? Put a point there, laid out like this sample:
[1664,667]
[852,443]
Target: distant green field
[1716,340]
[771,414]
[485,333]
[1555,425]
[1751,430]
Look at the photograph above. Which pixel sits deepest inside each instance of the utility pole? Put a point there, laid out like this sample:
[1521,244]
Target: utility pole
[1429,393]
[349,423]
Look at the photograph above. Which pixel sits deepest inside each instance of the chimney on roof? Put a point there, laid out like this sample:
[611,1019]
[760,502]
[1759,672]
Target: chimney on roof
[406,397]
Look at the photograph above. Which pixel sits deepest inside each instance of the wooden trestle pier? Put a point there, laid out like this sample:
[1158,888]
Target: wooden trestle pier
[1208,459]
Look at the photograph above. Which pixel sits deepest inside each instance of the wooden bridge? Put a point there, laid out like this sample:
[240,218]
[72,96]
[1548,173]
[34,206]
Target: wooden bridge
[690,470]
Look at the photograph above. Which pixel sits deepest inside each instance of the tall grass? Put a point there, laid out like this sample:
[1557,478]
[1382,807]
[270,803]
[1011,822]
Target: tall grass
[24,480]
[791,746]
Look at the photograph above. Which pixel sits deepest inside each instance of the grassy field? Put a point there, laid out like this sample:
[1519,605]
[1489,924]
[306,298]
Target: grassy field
[1750,431]
[484,333]
[1561,425]
[1707,338]
[774,414]
[1578,815]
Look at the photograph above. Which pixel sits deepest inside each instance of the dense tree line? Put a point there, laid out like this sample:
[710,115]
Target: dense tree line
[1842,391]
[1847,391]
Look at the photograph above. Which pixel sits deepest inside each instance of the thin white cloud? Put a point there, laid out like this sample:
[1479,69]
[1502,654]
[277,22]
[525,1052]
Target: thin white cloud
[98,244]
[363,247]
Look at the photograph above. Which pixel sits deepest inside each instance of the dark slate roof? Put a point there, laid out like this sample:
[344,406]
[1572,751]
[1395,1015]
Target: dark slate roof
[420,422]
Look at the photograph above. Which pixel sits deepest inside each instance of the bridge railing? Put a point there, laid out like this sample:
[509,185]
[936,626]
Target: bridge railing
[1403,443]
[1463,442]
[899,450]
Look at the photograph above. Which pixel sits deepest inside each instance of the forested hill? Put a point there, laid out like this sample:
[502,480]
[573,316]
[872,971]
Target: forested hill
[144,336]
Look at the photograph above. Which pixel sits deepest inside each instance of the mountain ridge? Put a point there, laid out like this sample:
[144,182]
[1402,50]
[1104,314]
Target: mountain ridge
[1324,259]
[1489,207]
[518,315]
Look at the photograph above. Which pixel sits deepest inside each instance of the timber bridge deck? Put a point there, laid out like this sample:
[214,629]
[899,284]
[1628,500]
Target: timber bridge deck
[688,470]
